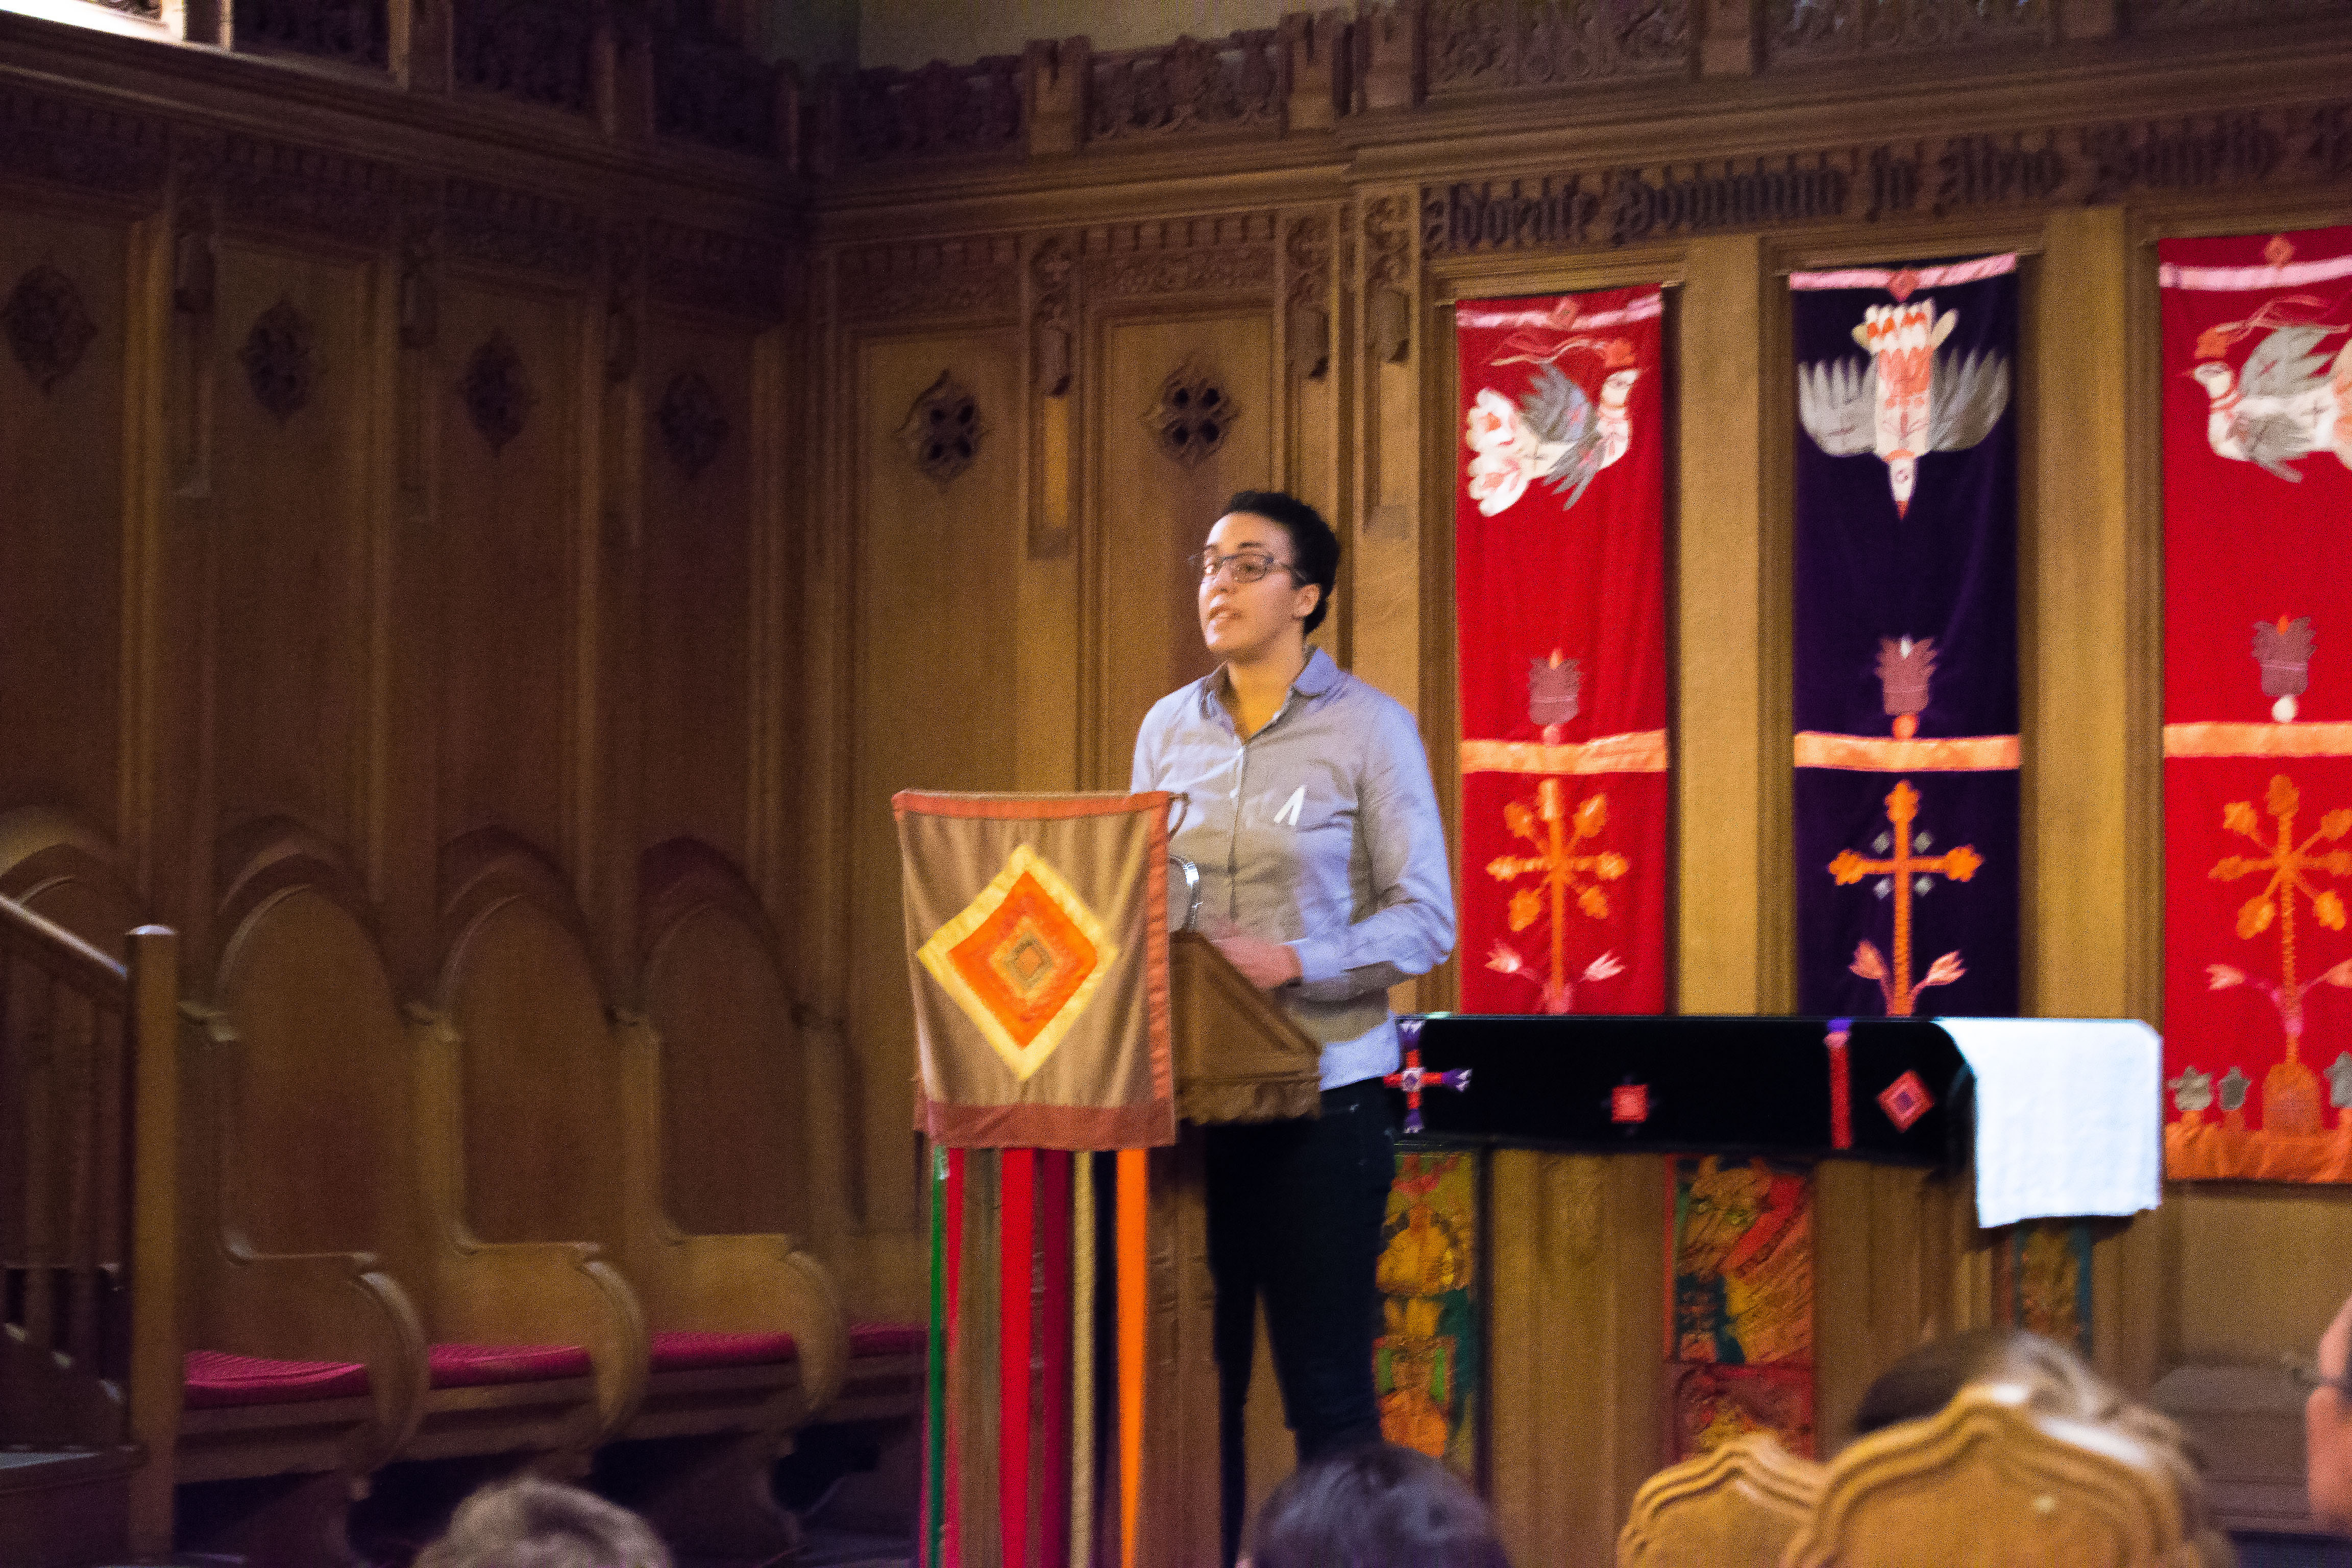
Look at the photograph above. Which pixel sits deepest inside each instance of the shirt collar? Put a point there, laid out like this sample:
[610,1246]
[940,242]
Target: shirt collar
[1319,677]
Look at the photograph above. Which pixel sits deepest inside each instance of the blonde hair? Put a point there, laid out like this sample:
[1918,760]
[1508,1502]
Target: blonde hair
[533,1524]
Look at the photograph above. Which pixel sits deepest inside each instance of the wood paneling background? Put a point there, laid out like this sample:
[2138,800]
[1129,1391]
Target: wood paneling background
[575,512]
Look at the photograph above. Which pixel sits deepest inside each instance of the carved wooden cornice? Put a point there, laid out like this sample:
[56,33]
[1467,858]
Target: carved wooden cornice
[278,185]
[1180,256]
[710,269]
[977,277]
[521,230]
[67,142]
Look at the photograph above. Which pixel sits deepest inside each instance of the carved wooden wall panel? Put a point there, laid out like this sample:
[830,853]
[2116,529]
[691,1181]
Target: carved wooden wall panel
[295,514]
[309,1039]
[932,703]
[693,679]
[524,999]
[733,1086]
[63,299]
[508,515]
[1150,507]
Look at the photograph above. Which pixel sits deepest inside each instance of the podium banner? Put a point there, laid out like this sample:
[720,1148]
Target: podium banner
[2257,390]
[1561,587]
[1037,936]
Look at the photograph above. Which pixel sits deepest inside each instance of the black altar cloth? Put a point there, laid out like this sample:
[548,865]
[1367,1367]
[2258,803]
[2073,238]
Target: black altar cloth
[1726,1085]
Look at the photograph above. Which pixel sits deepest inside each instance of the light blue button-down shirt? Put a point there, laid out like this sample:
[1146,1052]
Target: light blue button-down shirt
[1320,831]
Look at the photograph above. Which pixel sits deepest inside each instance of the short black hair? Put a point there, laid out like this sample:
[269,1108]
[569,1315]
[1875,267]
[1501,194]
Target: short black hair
[1375,1506]
[1314,548]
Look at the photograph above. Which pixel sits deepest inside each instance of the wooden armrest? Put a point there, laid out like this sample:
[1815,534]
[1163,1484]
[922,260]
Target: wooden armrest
[754,1284]
[324,1306]
[549,1293]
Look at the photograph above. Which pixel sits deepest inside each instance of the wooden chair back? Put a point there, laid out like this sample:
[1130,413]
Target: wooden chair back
[1738,1507]
[538,1074]
[1988,1479]
[733,1077]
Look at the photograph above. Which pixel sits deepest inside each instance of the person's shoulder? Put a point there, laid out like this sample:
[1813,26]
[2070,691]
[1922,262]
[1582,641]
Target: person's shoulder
[1376,706]
[1173,709]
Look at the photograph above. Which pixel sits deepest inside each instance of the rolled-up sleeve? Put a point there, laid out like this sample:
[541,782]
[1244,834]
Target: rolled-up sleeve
[1409,928]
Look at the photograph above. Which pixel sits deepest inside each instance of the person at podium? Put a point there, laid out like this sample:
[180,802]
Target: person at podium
[1305,800]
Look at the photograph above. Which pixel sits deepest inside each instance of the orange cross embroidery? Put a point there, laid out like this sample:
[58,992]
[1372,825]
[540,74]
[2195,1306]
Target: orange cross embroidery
[1563,869]
[1959,863]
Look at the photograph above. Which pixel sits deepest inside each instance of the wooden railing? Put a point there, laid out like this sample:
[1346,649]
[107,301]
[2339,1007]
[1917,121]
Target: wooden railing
[88,1128]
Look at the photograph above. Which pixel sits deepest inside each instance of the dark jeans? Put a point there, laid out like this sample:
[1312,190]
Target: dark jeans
[1294,1214]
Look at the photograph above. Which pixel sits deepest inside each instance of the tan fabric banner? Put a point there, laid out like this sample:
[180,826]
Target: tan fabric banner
[1037,947]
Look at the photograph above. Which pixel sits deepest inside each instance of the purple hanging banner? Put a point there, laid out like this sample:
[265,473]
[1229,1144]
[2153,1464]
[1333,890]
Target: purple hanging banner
[1906,751]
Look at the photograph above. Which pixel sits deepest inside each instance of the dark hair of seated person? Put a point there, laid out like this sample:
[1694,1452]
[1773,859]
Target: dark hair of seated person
[1375,1506]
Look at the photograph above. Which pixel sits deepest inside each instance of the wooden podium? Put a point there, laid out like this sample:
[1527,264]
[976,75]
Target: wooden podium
[1239,1058]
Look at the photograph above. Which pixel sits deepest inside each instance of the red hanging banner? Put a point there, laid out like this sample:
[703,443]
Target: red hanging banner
[2258,706]
[1559,584]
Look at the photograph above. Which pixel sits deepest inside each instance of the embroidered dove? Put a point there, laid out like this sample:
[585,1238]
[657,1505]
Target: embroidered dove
[1907,399]
[2285,402]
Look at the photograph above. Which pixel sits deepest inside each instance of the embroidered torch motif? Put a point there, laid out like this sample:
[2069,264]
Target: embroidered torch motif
[2284,652]
[1907,400]
[2290,1091]
[1905,666]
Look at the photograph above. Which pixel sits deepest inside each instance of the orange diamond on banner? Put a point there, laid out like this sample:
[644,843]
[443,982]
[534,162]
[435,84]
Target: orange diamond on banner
[1022,960]
[1026,961]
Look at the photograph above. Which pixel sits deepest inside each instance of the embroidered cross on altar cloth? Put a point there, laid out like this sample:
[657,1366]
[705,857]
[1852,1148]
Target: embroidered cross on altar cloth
[1037,929]
[1413,1077]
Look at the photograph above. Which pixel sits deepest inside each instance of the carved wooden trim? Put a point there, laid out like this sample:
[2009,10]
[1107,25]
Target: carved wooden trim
[624,263]
[1181,255]
[974,277]
[48,327]
[716,93]
[2181,15]
[1388,278]
[1052,315]
[497,390]
[734,274]
[540,51]
[941,110]
[1308,296]
[280,360]
[1806,30]
[348,32]
[66,143]
[1477,46]
[279,185]
[418,306]
[2059,167]
[521,229]
[1239,84]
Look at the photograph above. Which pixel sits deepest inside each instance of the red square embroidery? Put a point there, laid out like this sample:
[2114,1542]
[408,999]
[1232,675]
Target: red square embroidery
[1630,1102]
[1905,1100]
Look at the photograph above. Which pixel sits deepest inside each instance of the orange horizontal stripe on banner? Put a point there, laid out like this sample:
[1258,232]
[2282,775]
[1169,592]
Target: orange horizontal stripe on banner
[1636,751]
[1884,754]
[2258,740]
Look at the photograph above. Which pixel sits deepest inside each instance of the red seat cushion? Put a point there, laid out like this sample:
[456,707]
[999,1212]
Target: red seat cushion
[681,1349]
[217,1380]
[887,1339]
[469,1366]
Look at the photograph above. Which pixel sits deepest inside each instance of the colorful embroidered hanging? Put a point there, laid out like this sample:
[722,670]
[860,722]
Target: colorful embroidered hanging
[1428,1361]
[1560,588]
[2258,706]
[1907,750]
[1739,1301]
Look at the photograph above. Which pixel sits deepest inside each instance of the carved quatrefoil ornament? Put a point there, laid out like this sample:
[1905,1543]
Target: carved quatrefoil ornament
[943,429]
[693,426]
[498,392]
[48,327]
[1193,414]
[277,360]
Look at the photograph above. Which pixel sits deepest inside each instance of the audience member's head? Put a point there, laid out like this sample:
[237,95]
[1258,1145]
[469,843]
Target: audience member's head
[2327,1427]
[1378,1506]
[539,1524]
[2057,1382]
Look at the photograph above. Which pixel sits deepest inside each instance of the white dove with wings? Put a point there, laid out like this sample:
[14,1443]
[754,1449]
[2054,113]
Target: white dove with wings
[2287,401]
[1907,399]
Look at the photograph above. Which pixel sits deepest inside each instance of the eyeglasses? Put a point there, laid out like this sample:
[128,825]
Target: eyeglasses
[2307,1376]
[1244,566]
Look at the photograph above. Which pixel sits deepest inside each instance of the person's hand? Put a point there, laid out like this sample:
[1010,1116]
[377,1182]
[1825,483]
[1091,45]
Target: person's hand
[1265,964]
